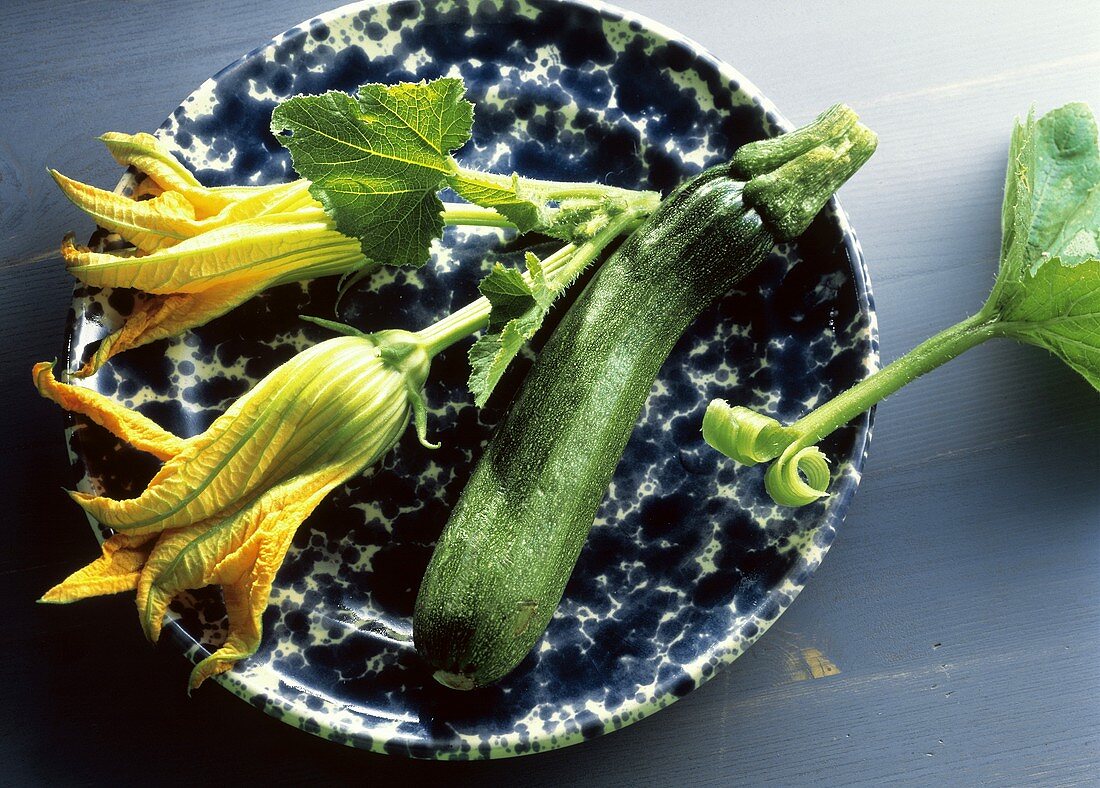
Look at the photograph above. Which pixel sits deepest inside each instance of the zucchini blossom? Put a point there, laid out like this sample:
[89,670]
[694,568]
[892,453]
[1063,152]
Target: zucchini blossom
[226,503]
[197,251]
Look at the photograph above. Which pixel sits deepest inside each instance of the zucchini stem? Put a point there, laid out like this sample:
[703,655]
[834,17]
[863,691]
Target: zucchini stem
[763,156]
[556,191]
[791,195]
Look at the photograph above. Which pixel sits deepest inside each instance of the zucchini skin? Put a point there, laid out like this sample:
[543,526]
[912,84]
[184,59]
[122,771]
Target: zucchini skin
[502,562]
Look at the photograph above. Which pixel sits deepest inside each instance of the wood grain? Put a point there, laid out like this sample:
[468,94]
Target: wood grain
[950,636]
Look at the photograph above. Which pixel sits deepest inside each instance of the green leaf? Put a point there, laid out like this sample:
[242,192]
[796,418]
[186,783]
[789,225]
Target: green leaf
[1048,287]
[1052,191]
[1058,308]
[512,296]
[376,161]
[518,309]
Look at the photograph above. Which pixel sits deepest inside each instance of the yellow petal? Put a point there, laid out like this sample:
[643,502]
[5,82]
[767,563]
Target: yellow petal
[159,316]
[116,570]
[137,430]
[149,225]
[242,552]
[333,406]
[149,155]
[241,642]
[275,248]
[153,598]
[245,602]
[170,217]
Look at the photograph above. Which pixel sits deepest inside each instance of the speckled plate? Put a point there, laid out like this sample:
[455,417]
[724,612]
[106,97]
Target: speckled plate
[688,562]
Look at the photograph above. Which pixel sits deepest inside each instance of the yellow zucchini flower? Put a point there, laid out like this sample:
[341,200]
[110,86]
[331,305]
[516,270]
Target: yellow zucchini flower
[225,504]
[197,251]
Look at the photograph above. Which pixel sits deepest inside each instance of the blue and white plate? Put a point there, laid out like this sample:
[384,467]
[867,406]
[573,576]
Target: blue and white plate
[688,563]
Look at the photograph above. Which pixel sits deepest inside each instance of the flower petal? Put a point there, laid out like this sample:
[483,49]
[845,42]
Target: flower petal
[244,555]
[149,225]
[153,597]
[241,642]
[146,153]
[158,316]
[275,248]
[333,406]
[241,552]
[171,216]
[129,425]
[245,602]
[116,570]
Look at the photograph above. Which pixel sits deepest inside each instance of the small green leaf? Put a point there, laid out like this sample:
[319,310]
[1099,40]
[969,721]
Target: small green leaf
[518,309]
[377,161]
[512,296]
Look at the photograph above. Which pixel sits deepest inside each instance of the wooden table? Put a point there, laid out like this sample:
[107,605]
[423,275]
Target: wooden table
[951,635]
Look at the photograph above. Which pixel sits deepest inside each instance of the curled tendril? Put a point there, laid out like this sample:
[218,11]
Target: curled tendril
[799,476]
[743,434]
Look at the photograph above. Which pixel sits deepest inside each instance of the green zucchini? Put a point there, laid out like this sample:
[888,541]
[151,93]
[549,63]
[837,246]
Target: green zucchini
[501,564]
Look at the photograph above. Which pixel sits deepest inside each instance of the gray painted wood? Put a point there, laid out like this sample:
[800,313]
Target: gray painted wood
[951,634]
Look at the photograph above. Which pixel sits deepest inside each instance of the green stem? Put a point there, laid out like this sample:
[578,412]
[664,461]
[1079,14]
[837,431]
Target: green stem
[454,213]
[473,216]
[925,357]
[559,190]
[560,269]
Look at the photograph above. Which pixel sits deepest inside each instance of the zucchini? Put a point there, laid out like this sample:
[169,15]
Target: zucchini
[502,561]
